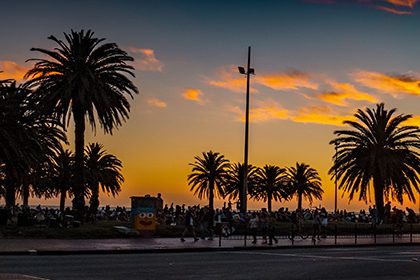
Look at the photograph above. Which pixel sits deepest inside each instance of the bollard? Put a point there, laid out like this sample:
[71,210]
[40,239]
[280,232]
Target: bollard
[393,233]
[355,233]
[374,233]
[293,234]
[335,233]
[411,232]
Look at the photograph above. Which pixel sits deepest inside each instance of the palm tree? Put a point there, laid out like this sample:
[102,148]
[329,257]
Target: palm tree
[379,152]
[270,185]
[103,170]
[304,182]
[208,176]
[235,178]
[26,137]
[85,79]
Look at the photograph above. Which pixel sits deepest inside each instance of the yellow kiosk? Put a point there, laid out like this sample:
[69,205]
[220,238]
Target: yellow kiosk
[143,213]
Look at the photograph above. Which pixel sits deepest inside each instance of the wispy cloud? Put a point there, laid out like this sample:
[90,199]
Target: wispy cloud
[146,60]
[228,78]
[264,111]
[398,7]
[12,70]
[319,115]
[394,84]
[157,103]
[194,95]
[342,92]
[291,80]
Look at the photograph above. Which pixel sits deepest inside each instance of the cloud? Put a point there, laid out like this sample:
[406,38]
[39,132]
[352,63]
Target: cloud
[156,102]
[341,92]
[12,70]
[291,80]
[398,7]
[145,60]
[393,11]
[394,84]
[265,111]
[319,115]
[230,79]
[195,95]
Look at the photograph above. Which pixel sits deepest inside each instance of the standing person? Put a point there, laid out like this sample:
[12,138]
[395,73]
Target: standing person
[316,225]
[189,225]
[271,230]
[264,225]
[253,225]
[324,222]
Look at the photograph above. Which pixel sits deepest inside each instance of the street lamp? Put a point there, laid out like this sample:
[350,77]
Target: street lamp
[336,189]
[246,72]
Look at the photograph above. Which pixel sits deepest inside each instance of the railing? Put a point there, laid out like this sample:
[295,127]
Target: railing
[334,234]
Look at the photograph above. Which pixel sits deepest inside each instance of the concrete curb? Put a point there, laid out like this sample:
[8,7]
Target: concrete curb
[190,250]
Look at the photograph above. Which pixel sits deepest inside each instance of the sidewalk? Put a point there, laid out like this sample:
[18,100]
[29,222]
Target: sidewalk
[139,245]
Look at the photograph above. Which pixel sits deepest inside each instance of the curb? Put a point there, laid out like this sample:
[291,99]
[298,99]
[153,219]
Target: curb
[192,250]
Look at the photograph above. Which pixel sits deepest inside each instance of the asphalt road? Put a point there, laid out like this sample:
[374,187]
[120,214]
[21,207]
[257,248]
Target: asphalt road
[316,263]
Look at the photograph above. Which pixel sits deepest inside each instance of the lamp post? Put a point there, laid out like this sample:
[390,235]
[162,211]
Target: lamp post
[335,182]
[246,72]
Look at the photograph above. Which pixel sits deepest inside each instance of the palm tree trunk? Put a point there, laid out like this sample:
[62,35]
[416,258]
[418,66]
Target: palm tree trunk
[211,205]
[94,200]
[25,194]
[269,198]
[62,199]
[379,198]
[299,201]
[10,195]
[79,133]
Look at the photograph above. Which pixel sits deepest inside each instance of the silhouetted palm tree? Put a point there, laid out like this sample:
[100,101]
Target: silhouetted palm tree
[304,182]
[62,175]
[102,170]
[378,151]
[235,178]
[270,185]
[208,177]
[26,137]
[87,80]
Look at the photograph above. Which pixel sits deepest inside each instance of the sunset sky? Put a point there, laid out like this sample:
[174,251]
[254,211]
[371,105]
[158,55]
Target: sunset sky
[316,62]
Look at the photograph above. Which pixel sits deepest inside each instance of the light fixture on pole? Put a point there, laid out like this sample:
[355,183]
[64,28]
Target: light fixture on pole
[247,72]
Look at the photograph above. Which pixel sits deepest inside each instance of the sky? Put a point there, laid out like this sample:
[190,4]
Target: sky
[316,63]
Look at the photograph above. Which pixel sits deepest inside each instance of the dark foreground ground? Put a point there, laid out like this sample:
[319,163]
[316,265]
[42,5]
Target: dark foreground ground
[296,263]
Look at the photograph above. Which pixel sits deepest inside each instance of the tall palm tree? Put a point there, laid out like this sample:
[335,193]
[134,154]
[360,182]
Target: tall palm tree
[26,137]
[87,80]
[104,170]
[304,182]
[208,177]
[270,185]
[235,178]
[380,152]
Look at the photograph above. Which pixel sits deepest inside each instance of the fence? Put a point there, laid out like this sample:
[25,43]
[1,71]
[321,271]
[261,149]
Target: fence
[333,234]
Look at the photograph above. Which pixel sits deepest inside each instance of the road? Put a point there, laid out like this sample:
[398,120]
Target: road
[313,263]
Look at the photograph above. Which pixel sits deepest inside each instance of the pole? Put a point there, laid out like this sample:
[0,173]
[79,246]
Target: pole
[245,180]
[335,193]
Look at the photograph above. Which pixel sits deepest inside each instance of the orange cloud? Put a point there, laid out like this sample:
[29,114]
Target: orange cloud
[145,60]
[392,84]
[403,3]
[286,81]
[195,95]
[319,115]
[156,102]
[265,111]
[231,80]
[393,11]
[344,91]
[12,70]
